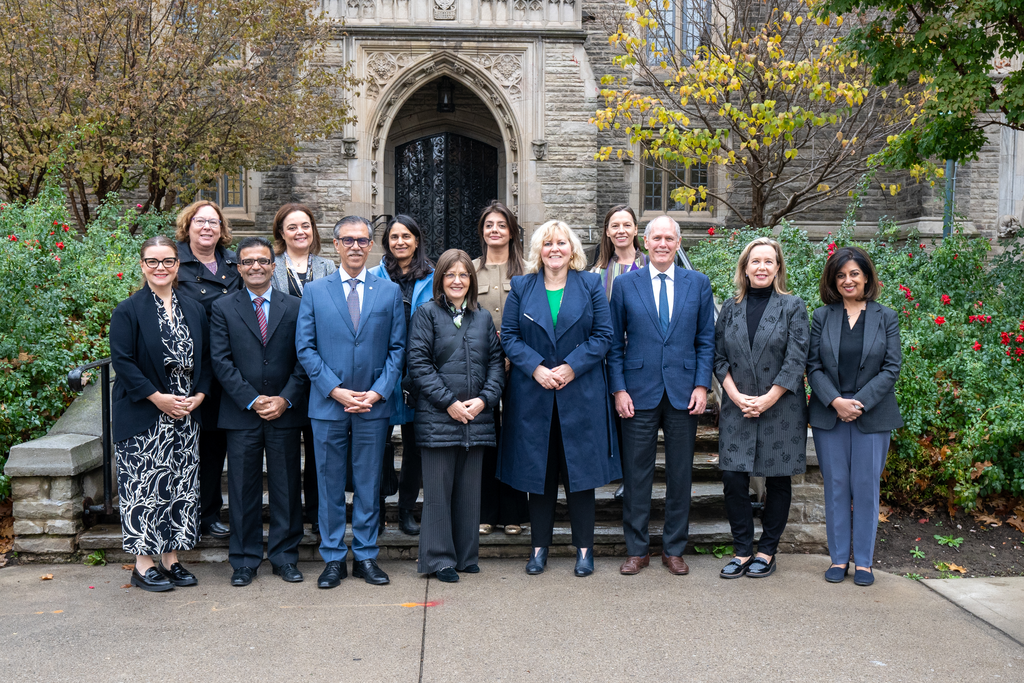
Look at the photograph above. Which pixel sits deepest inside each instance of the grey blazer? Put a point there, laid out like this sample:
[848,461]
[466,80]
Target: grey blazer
[879,368]
[774,444]
[318,267]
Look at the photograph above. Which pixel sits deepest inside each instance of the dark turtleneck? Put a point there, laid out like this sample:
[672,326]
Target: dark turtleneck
[757,301]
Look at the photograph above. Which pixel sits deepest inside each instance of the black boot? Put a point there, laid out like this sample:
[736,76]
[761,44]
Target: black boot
[407,523]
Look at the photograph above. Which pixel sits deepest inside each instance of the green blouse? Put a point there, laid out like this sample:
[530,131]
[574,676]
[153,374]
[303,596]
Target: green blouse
[555,301]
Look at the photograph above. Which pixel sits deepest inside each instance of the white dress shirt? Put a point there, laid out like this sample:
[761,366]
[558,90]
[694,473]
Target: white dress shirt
[656,281]
[360,287]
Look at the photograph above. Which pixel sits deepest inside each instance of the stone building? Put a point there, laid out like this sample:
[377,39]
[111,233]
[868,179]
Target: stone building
[469,100]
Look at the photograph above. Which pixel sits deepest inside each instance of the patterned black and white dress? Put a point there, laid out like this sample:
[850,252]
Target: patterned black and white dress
[158,470]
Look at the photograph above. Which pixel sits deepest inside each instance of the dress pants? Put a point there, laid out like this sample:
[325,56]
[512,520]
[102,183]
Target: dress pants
[500,504]
[449,534]
[335,440]
[851,464]
[245,488]
[640,450]
[411,476]
[212,451]
[582,509]
[741,514]
[309,488]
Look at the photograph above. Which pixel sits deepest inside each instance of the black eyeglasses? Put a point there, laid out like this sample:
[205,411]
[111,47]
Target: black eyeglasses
[363,242]
[154,262]
[249,262]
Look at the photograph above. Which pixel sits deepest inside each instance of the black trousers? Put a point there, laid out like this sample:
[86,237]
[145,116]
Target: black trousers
[582,509]
[411,477]
[639,452]
[245,486]
[449,535]
[309,491]
[779,493]
[500,504]
[213,447]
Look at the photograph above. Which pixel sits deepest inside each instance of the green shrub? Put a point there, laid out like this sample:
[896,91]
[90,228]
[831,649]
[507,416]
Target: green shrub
[58,290]
[960,386]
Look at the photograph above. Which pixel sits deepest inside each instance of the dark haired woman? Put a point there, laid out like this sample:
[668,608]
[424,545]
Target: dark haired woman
[160,353]
[619,253]
[207,271]
[761,340]
[852,367]
[406,264]
[455,362]
[501,241]
[297,262]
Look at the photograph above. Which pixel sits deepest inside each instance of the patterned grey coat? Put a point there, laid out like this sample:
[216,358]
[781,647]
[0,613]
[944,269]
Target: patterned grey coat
[774,444]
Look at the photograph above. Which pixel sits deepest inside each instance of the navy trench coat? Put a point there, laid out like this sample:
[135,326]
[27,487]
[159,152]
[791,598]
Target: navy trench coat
[581,338]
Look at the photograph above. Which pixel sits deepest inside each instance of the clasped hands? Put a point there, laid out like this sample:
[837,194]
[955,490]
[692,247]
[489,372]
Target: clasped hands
[466,411]
[848,409]
[753,406]
[355,401]
[176,407]
[554,378]
[270,407]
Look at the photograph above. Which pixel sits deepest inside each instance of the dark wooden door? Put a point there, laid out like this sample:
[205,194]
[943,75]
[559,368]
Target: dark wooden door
[443,181]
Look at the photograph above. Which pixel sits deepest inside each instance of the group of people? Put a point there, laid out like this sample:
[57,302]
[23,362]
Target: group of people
[506,375]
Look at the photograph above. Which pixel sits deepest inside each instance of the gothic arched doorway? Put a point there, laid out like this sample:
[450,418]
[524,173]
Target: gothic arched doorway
[442,181]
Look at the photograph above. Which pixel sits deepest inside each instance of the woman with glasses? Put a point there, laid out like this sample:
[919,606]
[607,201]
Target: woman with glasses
[207,270]
[297,259]
[160,353]
[406,264]
[502,244]
[455,363]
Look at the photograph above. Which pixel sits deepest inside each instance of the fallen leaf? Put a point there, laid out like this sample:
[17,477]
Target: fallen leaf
[957,568]
[46,577]
[928,509]
[989,519]
[1016,522]
[979,468]
[127,585]
[129,567]
[883,517]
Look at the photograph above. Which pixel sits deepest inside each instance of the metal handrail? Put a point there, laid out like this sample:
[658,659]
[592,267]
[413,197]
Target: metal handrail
[76,384]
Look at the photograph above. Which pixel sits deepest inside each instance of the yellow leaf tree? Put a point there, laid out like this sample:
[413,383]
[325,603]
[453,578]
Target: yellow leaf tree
[757,89]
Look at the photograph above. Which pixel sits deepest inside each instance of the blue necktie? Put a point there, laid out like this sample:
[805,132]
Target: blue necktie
[663,303]
[353,302]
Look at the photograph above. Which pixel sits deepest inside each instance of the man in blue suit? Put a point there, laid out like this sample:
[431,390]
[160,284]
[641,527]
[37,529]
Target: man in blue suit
[659,370]
[350,338]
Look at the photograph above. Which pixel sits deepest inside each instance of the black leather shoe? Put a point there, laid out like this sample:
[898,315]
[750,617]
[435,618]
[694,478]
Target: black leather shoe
[759,568]
[407,523]
[332,575]
[470,569]
[619,492]
[735,569]
[217,530]
[153,581]
[538,560]
[177,574]
[243,576]
[447,575]
[368,571]
[289,572]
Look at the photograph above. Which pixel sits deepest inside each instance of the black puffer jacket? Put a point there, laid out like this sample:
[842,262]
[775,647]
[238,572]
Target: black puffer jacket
[475,370]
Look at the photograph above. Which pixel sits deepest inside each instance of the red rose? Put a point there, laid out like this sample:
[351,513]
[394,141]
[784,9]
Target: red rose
[946,300]
[120,276]
[65,228]
[1021,327]
[56,222]
[939,320]
[910,254]
[1019,339]
[922,246]
[1019,351]
[1004,338]
[977,346]
[60,245]
[57,258]
[711,231]
[13,238]
[954,257]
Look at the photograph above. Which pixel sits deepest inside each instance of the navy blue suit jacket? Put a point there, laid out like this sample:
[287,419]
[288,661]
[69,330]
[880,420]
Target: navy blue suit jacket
[647,363]
[336,354]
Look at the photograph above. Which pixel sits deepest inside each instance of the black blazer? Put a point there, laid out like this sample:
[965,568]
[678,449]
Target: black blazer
[245,368]
[879,368]
[137,356]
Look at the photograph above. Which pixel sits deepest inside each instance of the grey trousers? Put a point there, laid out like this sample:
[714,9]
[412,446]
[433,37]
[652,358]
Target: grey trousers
[851,464]
[450,523]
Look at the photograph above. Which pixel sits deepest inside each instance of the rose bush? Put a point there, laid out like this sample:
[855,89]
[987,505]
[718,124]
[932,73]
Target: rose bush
[962,330]
[58,289]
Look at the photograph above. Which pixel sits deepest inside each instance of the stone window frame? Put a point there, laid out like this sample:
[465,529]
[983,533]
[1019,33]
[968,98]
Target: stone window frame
[638,196]
[684,34]
[245,208]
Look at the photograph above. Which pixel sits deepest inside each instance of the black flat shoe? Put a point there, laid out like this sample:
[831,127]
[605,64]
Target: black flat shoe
[368,571]
[470,569]
[735,569]
[153,581]
[538,560]
[332,575]
[407,523]
[217,530]
[584,565]
[242,576]
[177,574]
[447,575]
[759,569]
[289,572]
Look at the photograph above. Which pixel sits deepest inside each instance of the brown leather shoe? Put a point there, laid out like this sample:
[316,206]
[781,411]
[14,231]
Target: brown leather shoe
[676,565]
[634,563]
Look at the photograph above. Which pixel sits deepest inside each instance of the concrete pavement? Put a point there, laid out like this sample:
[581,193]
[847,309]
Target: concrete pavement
[500,625]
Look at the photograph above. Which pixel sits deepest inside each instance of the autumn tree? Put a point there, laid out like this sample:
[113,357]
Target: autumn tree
[973,53]
[159,95]
[757,88]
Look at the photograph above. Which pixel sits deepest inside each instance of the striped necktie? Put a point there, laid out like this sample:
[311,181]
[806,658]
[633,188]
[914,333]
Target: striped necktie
[260,317]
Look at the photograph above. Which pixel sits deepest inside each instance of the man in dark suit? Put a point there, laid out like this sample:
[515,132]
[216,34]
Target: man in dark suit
[252,348]
[351,341]
[659,370]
